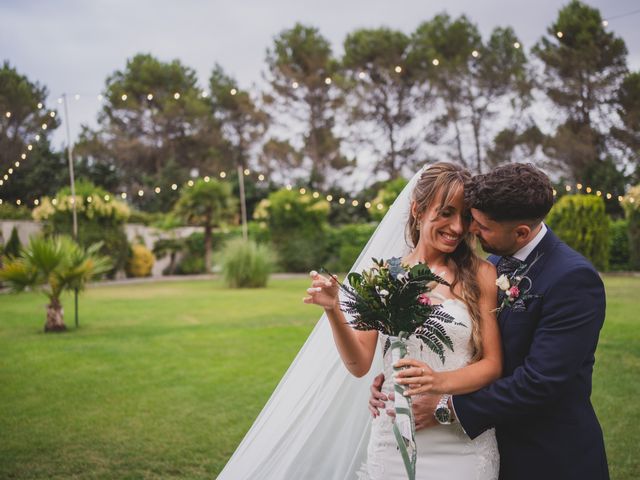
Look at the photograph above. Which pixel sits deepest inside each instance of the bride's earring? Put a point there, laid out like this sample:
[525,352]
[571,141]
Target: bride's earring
[418,225]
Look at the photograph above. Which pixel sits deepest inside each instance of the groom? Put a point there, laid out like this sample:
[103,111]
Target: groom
[545,424]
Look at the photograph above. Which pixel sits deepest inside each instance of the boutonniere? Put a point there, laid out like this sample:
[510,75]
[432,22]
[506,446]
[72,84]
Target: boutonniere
[513,289]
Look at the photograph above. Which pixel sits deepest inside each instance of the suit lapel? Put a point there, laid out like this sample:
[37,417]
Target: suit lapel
[541,252]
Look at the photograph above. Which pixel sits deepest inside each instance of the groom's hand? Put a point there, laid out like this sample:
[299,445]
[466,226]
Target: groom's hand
[424,405]
[377,398]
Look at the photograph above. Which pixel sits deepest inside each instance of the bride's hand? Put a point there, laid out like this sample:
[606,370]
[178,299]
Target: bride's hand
[420,378]
[323,291]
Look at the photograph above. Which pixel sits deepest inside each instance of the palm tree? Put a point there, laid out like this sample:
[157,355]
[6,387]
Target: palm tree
[53,265]
[206,204]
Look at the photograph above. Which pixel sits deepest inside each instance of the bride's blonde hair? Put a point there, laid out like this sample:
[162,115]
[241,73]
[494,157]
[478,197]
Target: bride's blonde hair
[444,180]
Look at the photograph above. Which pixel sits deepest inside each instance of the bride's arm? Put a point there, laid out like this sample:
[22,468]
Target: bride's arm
[356,348]
[476,375]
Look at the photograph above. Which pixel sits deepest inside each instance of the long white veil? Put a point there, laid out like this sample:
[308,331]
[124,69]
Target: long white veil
[316,423]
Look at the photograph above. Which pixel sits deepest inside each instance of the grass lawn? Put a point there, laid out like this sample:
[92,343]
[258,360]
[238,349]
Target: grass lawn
[148,386]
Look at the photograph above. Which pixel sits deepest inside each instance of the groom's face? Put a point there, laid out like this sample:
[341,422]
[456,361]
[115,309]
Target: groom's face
[498,238]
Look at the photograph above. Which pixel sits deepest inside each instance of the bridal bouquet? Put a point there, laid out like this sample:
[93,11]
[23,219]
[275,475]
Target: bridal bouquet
[392,298]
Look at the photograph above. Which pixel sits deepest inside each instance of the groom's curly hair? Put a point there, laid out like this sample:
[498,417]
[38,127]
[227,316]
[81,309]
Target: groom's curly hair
[513,192]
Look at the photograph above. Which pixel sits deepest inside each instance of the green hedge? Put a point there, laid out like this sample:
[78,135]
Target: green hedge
[631,205]
[619,246]
[345,244]
[581,221]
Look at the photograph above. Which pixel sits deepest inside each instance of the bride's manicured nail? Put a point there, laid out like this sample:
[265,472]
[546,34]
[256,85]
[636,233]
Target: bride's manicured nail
[313,273]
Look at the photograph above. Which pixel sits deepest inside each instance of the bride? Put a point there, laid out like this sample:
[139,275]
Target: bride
[437,227]
[315,424]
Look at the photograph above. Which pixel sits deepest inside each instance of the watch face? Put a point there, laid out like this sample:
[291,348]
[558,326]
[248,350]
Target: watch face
[443,414]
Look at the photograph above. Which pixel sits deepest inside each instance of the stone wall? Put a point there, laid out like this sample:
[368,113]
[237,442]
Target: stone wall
[135,232]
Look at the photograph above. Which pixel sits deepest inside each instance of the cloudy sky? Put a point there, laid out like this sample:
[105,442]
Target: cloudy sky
[72,45]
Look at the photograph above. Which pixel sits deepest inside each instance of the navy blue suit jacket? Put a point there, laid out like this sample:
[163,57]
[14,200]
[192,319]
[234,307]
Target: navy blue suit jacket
[541,408]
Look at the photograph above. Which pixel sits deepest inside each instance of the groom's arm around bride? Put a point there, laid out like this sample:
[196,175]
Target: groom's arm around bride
[545,424]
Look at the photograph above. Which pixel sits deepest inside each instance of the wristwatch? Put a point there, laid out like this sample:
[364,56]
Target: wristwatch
[443,412]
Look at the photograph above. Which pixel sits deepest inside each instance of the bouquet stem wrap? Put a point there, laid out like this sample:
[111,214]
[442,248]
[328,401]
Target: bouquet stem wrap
[404,427]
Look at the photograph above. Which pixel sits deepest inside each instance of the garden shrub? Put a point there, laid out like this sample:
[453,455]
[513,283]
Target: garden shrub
[298,228]
[101,218]
[13,246]
[8,211]
[631,205]
[140,262]
[581,222]
[246,264]
[345,244]
[619,245]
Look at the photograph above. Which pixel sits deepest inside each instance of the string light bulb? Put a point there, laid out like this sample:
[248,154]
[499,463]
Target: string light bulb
[234,91]
[355,203]
[123,195]
[247,171]
[261,177]
[329,198]
[379,206]
[44,126]
[207,178]
[361,75]
[367,205]
[174,186]
[316,195]
[475,54]
[436,62]
[107,198]
[8,114]
[295,85]
[157,190]
[150,96]
[342,201]
[52,114]
[223,174]
[124,97]
[516,45]
[303,191]
[605,23]
[327,81]
[40,105]
[289,187]
[38,138]
[141,193]
[398,69]
[176,96]
[559,34]
[190,183]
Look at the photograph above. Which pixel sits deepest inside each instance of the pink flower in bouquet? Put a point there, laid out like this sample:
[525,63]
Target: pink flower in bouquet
[423,299]
[514,292]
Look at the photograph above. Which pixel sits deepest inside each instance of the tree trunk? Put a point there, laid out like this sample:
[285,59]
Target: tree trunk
[207,246]
[55,317]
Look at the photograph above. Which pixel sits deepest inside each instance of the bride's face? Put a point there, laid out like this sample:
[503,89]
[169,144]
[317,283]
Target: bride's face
[444,227]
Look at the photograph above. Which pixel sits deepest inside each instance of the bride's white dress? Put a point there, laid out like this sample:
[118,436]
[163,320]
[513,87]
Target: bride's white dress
[444,451]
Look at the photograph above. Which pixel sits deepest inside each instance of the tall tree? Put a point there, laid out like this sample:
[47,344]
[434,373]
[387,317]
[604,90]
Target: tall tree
[242,122]
[628,132]
[32,169]
[206,204]
[379,82]
[584,65]
[474,81]
[154,124]
[301,73]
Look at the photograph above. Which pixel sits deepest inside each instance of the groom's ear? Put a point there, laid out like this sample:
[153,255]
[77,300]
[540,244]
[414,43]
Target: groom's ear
[522,232]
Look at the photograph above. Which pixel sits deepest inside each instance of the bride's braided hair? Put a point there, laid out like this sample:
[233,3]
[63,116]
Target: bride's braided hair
[443,180]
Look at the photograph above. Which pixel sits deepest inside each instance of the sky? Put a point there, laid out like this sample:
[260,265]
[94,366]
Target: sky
[72,46]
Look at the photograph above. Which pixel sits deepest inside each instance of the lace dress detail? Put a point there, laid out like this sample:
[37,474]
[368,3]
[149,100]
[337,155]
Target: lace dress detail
[444,451]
